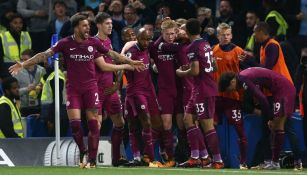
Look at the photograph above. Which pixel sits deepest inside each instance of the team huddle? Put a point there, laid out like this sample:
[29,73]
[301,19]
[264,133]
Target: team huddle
[196,83]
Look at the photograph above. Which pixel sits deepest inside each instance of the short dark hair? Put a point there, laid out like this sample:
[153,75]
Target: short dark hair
[101,17]
[61,2]
[225,80]
[193,26]
[75,19]
[7,83]
[264,27]
[29,52]
[14,16]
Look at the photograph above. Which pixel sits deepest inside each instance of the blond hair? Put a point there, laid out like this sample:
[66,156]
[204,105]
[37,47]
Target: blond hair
[222,27]
[181,21]
[168,24]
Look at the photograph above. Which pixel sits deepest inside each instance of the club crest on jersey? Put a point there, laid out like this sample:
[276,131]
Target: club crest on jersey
[90,48]
[128,55]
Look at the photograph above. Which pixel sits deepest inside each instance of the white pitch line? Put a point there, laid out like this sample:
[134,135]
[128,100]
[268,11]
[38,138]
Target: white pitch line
[210,170]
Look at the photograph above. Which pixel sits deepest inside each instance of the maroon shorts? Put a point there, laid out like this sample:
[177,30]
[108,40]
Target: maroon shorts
[82,98]
[109,103]
[283,104]
[203,107]
[230,108]
[141,104]
[167,101]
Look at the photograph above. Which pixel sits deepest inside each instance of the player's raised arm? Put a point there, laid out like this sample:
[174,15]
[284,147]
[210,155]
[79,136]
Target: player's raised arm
[38,58]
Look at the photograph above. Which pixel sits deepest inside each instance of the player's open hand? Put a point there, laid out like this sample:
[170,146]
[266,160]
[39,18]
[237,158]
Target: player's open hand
[14,69]
[137,65]
[111,90]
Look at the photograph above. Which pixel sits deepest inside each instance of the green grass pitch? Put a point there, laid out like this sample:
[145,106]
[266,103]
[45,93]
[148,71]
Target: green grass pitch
[136,171]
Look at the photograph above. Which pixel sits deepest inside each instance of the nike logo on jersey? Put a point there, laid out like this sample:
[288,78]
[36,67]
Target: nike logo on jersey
[72,48]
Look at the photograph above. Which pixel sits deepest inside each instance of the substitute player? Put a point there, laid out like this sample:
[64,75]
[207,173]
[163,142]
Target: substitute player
[226,55]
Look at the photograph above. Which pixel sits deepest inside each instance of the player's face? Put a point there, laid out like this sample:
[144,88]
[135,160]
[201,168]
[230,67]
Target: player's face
[106,26]
[169,35]
[182,34]
[225,36]
[258,35]
[129,35]
[144,39]
[83,29]
[232,86]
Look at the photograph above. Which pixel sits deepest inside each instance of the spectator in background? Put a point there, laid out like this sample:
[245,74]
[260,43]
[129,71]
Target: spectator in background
[251,20]
[182,9]
[48,100]
[299,21]
[164,10]
[116,9]
[94,4]
[36,13]
[13,43]
[29,81]
[10,121]
[157,29]
[55,26]
[4,19]
[204,16]
[131,17]
[278,24]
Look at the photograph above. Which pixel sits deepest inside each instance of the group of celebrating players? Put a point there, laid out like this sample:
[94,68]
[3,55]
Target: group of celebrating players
[189,71]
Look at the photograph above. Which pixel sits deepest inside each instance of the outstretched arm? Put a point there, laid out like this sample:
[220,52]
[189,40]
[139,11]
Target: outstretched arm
[38,58]
[100,62]
[138,65]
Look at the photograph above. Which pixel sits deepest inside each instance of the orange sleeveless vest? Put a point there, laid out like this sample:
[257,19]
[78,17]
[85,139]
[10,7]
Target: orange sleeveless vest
[227,62]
